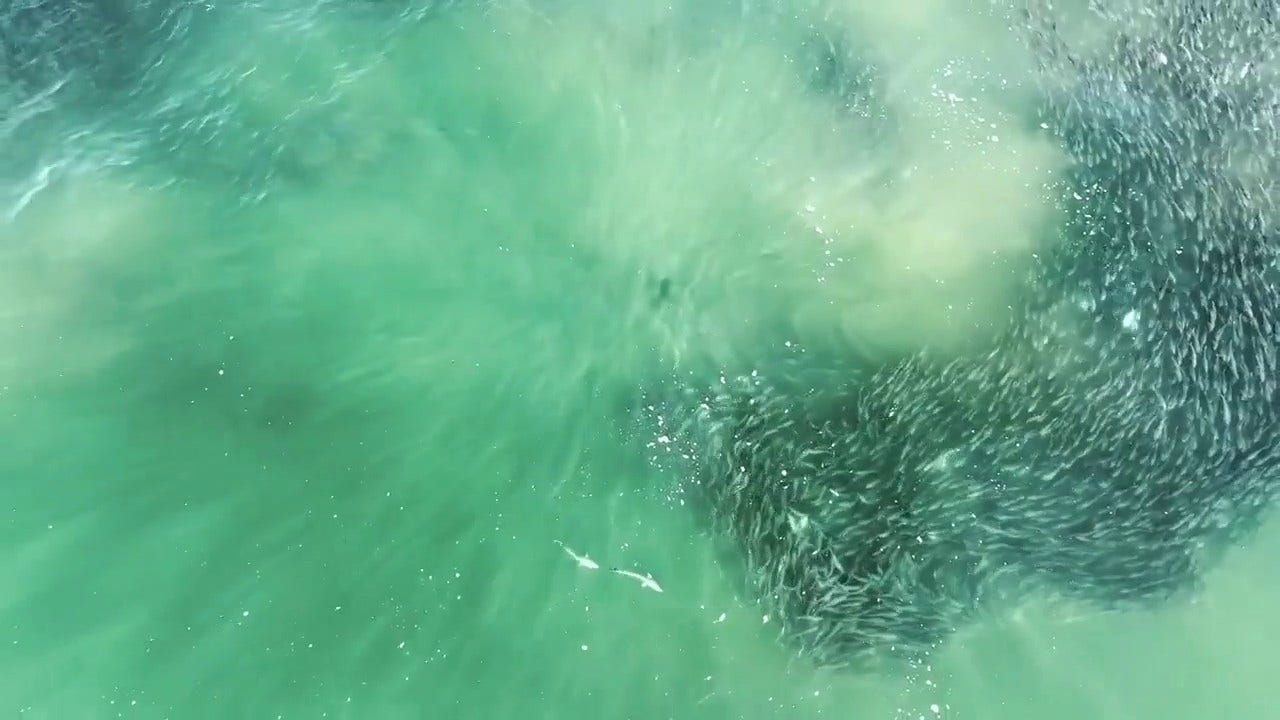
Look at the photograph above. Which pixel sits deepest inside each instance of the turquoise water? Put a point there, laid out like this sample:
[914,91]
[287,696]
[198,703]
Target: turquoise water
[318,336]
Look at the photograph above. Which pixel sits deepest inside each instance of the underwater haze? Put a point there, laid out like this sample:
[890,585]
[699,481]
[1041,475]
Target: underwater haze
[325,324]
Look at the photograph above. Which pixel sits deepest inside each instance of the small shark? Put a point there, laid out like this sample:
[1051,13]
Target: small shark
[582,560]
[646,580]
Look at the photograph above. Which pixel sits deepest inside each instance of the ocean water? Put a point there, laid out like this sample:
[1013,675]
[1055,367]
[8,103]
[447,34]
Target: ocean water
[321,324]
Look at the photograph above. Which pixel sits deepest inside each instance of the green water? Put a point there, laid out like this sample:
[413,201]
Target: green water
[301,390]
